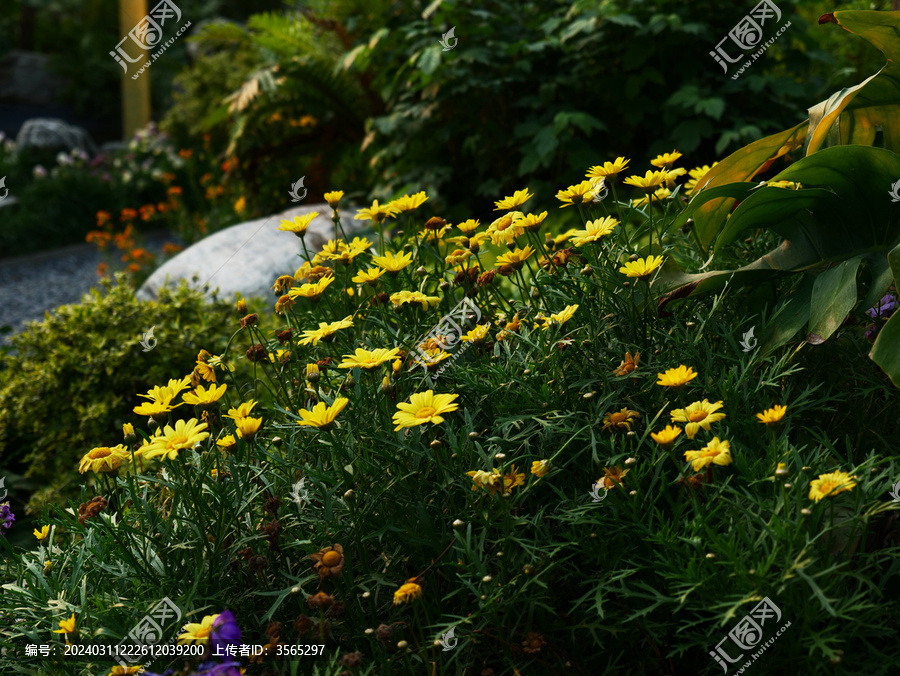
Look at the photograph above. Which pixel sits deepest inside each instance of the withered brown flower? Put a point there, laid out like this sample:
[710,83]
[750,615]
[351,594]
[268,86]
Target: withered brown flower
[329,561]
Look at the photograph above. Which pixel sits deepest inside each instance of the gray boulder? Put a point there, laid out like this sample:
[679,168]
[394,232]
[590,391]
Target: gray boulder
[247,258]
[51,134]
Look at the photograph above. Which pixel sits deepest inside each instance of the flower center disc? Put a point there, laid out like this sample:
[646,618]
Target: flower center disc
[331,558]
[426,412]
[697,416]
[98,453]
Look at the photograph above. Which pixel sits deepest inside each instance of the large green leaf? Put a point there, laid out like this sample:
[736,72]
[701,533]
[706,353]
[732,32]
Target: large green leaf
[740,166]
[833,297]
[841,215]
[886,350]
[853,115]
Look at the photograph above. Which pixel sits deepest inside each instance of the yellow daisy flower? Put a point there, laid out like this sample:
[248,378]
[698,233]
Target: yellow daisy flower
[829,485]
[489,480]
[424,407]
[299,225]
[540,468]
[375,213]
[66,626]
[648,182]
[715,452]
[608,169]
[198,632]
[772,416]
[642,267]
[476,335]
[658,195]
[407,592]
[321,415]
[516,259]
[458,257]
[43,533]
[469,226]
[699,415]
[517,199]
[312,291]
[391,263]
[242,411]
[409,202]
[104,459]
[672,175]
[334,198]
[369,276]
[368,359]
[579,193]
[532,222]
[594,230]
[247,427]
[696,174]
[325,332]
[666,160]
[203,397]
[185,434]
[407,297]
[676,377]
[666,438]
[227,442]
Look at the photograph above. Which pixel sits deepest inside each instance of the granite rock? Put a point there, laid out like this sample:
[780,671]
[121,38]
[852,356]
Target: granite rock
[246,259]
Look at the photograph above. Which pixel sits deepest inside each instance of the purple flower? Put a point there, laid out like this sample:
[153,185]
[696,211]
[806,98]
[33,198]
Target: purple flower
[870,332]
[6,517]
[225,631]
[884,307]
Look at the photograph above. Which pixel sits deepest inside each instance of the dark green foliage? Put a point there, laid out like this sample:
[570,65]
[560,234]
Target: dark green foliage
[72,383]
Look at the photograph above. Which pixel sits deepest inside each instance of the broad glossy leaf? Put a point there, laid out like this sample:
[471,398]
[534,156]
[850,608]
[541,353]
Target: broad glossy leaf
[833,297]
[741,165]
[886,350]
[853,115]
[791,315]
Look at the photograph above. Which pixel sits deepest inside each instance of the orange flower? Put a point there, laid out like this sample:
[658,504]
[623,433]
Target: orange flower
[186,154]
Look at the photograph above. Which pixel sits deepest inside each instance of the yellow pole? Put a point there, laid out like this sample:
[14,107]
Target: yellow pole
[135,93]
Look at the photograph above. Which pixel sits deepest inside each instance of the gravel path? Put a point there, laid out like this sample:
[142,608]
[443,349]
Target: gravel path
[32,285]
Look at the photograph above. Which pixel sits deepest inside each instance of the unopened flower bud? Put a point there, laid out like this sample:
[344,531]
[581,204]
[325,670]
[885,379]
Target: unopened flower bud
[457,524]
[421,271]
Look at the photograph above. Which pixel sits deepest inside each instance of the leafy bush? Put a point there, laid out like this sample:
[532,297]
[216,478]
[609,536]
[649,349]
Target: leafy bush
[366,531]
[65,384]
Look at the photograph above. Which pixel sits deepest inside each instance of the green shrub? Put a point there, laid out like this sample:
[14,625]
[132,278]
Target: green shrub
[70,385]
